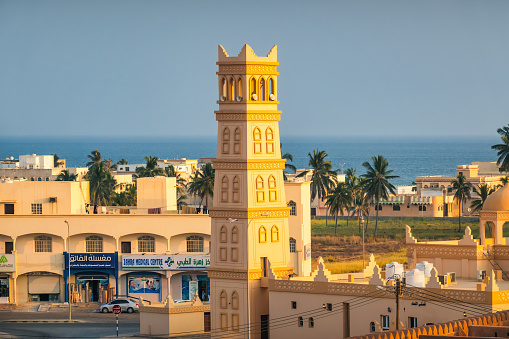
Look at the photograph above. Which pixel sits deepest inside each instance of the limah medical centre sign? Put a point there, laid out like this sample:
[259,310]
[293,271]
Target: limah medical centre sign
[166,262]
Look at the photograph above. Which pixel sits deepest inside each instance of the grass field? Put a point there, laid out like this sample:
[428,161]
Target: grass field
[342,252]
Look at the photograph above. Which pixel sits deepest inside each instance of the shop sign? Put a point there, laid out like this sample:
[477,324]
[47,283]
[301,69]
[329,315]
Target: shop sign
[7,263]
[91,260]
[166,262]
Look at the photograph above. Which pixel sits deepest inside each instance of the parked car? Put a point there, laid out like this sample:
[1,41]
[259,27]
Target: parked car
[127,305]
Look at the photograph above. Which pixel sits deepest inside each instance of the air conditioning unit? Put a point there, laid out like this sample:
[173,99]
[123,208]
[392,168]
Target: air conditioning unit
[53,199]
[481,274]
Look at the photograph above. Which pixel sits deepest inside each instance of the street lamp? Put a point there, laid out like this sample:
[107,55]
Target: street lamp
[69,270]
[264,214]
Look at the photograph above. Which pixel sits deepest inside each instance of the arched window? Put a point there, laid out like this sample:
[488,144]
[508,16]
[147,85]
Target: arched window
[225,186]
[146,243]
[301,322]
[42,243]
[311,322]
[226,140]
[269,136]
[236,137]
[272,189]
[194,243]
[236,189]
[231,92]
[262,89]
[223,88]
[223,297]
[260,193]
[235,300]
[223,234]
[94,243]
[239,87]
[293,207]
[274,234]
[293,245]
[235,235]
[262,234]
[372,327]
[272,91]
[257,137]
[253,88]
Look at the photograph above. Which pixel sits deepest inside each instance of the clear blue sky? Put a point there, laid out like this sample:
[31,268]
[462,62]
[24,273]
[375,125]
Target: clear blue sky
[347,68]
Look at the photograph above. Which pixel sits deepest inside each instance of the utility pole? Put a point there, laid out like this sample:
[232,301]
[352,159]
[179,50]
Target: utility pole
[398,293]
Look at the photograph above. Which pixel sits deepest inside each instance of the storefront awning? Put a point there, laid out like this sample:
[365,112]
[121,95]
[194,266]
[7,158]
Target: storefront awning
[421,200]
[393,200]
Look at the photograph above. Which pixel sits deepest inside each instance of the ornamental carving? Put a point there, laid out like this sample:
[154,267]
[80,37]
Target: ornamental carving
[294,286]
[259,165]
[446,251]
[175,310]
[228,214]
[238,69]
[284,212]
[348,289]
[226,275]
[248,116]
[261,69]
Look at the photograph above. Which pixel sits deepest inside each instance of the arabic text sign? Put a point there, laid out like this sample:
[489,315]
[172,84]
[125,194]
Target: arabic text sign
[91,260]
[166,262]
[7,263]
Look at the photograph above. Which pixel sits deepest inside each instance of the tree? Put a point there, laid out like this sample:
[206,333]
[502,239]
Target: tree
[503,149]
[463,189]
[504,181]
[66,176]
[56,160]
[125,198]
[323,176]
[338,199]
[122,162]
[377,185]
[102,184]
[151,169]
[202,185]
[181,185]
[95,158]
[483,191]
[289,158]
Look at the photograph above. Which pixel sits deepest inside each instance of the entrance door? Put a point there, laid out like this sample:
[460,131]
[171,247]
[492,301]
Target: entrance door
[202,290]
[125,247]
[94,285]
[446,210]
[9,246]
[264,328]
[9,208]
[206,322]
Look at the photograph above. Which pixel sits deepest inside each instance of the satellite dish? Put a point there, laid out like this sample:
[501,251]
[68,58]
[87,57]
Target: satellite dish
[239,98]
[272,97]
[254,97]
[223,98]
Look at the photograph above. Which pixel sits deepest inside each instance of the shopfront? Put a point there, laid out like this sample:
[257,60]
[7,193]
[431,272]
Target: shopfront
[7,267]
[150,275]
[43,286]
[92,273]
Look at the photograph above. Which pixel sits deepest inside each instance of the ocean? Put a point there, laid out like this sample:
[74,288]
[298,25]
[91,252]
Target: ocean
[408,157]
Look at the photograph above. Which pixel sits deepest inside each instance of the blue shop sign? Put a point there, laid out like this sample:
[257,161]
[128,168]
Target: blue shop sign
[91,260]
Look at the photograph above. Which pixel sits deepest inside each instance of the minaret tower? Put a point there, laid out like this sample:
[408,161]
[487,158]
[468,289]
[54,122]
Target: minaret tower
[250,216]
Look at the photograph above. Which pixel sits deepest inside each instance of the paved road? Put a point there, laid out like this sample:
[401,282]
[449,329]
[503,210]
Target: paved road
[89,324]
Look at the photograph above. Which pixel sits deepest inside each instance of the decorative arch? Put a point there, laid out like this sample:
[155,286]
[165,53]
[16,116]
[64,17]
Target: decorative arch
[223,234]
[274,234]
[272,89]
[263,89]
[293,245]
[223,299]
[236,189]
[262,234]
[223,87]
[260,193]
[301,322]
[239,88]
[237,137]
[252,88]
[94,243]
[269,136]
[146,243]
[235,235]
[225,186]
[231,89]
[226,140]
[257,137]
[293,207]
[235,300]
[272,188]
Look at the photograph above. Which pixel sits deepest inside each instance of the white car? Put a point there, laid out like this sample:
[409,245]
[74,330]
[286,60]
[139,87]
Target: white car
[127,306]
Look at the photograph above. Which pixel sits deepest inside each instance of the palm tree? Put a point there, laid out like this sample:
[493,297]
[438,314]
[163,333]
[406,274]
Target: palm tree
[289,158]
[102,184]
[463,189]
[338,199]
[503,181]
[483,191]
[95,158]
[122,162]
[203,183]
[352,182]
[125,198]
[377,185]
[503,149]
[323,176]
[181,185]
[66,176]
[151,169]
[56,160]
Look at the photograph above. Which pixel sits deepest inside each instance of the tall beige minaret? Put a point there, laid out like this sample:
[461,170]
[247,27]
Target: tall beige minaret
[250,216]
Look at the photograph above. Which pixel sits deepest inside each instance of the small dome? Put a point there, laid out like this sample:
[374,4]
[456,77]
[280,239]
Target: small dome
[498,201]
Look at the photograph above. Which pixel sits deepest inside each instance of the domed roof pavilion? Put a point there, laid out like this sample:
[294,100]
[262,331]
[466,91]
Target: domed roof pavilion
[496,210]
